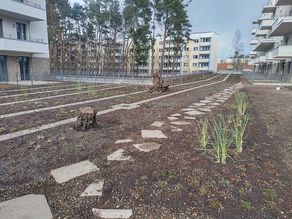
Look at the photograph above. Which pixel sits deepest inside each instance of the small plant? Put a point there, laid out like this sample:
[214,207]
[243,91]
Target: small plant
[222,140]
[241,103]
[204,138]
[79,87]
[24,91]
[239,127]
[245,205]
[91,91]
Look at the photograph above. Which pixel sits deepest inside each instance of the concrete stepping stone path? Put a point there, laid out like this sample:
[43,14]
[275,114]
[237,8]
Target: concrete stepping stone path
[152,134]
[147,147]
[66,173]
[199,104]
[123,141]
[187,109]
[157,124]
[26,207]
[205,101]
[180,123]
[118,156]
[94,189]
[195,113]
[112,213]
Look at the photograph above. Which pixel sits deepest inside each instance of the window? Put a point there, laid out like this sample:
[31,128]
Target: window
[1,28]
[196,40]
[195,56]
[195,64]
[206,40]
[196,48]
[204,48]
[204,56]
[186,65]
[21,31]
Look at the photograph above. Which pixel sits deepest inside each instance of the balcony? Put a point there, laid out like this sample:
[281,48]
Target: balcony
[265,44]
[282,26]
[25,10]
[205,43]
[9,43]
[266,24]
[254,42]
[255,22]
[252,54]
[269,9]
[262,33]
[284,2]
[283,51]
[266,17]
[260,60]
[204,52]
[254,30]
[204,60]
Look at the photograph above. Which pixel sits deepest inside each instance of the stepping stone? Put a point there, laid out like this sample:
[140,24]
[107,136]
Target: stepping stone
[214,104]
[209,98]
[157,124]
[180,123]
[188,109]
[195,113]
[190,118]
[94,189]
[123,141]
[176,115]
[172,118]
[205,109]
[175,129]
[67,173]
[199,104]
[28,206]
[112,213]
[147,147]
[152,134]
[221,101]
[205,101]
[118,155]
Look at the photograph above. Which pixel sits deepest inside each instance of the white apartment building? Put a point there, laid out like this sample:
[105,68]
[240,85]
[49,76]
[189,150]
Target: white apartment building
[199,55]
[272,53]
[24,51]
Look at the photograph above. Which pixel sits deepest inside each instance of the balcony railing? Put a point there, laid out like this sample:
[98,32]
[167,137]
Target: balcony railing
[30,3]
[283,51]
[30,39]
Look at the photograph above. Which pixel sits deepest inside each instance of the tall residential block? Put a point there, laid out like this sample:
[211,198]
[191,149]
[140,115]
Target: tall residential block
[24,51]
[272,53]
[199,55]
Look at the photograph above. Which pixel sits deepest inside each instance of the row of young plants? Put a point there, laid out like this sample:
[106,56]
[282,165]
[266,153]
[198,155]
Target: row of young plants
[221,134]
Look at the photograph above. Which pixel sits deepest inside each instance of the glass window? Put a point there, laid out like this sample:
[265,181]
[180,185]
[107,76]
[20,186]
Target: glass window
[21,31]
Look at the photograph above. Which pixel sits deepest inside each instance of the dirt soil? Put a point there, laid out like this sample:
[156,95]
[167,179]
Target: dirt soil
[178,180]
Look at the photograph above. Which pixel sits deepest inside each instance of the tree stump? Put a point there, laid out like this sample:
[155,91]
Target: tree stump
[158,84]
[86,119]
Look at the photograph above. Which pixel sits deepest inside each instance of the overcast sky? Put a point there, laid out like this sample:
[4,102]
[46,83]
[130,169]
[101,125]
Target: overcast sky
[224,17]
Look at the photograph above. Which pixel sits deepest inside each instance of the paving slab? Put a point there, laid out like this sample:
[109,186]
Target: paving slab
[180,123]
[199,104]
[147,147]
[205,109]
[214,104]
[152,134]
[187,109]
[157,124]
[94,189]
[112,213]
[66,173]
[123,141]
[118,156]
[26,207]
[205,101]
[176,115]
[190,118]
[175,129]
[194,113]
[172,118]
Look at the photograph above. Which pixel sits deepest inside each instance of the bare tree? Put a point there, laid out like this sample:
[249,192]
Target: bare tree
[238,50]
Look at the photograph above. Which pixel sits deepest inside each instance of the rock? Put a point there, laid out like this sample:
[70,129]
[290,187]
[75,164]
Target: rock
[86,118]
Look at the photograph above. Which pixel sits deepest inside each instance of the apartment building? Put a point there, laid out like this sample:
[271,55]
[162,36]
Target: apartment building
[272,53]
[24,52]
[199,55]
